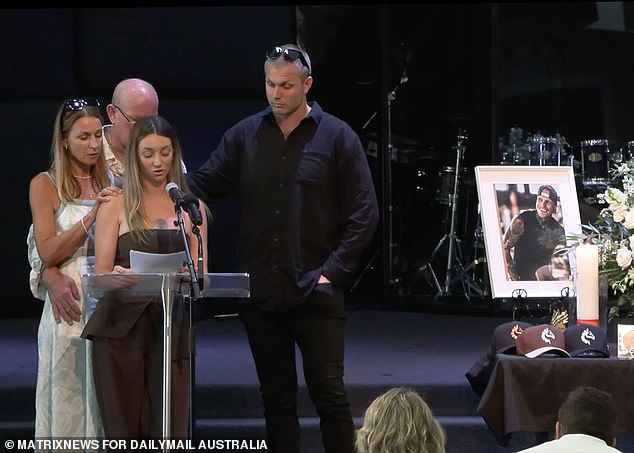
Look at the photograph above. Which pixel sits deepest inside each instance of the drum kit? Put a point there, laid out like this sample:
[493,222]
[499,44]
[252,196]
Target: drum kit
[592,164]
[440,186]
[441,191]
[538,150]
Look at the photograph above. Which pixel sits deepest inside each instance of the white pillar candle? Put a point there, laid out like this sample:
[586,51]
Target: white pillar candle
[587,283]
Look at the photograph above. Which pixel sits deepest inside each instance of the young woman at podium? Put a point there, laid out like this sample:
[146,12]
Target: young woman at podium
[127,332]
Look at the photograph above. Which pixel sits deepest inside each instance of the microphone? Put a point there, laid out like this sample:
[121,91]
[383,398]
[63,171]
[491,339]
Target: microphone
[406,58]
[186,201]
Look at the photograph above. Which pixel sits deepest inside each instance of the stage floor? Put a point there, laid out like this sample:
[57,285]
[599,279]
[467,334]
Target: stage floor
[384,348]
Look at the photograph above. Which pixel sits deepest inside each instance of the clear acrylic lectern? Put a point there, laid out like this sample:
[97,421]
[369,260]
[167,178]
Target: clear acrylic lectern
[165,285]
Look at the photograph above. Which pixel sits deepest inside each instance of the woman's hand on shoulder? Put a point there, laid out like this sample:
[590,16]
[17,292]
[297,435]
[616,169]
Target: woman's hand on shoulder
[108,193]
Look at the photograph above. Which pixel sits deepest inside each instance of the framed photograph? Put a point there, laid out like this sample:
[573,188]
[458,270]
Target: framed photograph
[530,217]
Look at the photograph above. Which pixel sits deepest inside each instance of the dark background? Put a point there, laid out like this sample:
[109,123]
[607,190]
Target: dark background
[405,77]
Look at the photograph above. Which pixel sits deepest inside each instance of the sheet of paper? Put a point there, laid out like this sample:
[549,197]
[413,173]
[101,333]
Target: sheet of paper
[143,262]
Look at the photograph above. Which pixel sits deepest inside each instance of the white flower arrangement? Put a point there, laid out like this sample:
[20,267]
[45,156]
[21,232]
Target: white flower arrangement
[614,233]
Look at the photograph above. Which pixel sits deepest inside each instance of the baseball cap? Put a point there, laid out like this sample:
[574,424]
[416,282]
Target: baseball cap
[505,335]
[584,340]
[552,193]
[544,340]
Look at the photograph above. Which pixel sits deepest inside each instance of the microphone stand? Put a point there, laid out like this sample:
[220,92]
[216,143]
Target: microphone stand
[201,268]
[387,162]
[384,157]
[192,335]
[195,286]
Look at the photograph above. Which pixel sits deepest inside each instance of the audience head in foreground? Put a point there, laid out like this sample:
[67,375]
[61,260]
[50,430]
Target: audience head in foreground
[586,422]
[400,421]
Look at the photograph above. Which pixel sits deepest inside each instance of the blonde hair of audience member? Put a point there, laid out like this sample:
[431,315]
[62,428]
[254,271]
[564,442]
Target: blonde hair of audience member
[400,421]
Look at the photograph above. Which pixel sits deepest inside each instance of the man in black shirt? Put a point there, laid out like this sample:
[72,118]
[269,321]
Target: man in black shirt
[307,208]
[532,237]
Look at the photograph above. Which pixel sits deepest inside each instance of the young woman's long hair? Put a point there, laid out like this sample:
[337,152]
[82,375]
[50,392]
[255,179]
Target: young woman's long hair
[400,421]
[132,188]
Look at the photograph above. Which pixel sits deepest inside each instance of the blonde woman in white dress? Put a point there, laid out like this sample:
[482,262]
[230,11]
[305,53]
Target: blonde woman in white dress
[64,203]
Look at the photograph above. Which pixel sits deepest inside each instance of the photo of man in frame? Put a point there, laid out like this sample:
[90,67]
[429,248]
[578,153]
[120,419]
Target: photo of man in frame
[533,235]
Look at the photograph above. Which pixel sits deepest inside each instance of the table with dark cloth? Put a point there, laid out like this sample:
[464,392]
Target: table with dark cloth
[525,394]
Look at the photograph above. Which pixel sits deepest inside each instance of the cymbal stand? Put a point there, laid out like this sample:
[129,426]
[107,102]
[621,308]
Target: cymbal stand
[453,248]
[454,209]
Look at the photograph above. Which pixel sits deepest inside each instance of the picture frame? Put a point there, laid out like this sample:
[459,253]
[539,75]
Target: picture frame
[505,191]
[625,334]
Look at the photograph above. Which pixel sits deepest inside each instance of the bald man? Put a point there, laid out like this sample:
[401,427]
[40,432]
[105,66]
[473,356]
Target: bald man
[132,99]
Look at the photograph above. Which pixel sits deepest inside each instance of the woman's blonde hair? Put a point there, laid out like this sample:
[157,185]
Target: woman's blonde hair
[400,421]
[68,113]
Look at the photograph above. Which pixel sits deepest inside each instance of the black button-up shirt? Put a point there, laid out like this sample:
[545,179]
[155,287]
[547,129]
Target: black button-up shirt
[306,203]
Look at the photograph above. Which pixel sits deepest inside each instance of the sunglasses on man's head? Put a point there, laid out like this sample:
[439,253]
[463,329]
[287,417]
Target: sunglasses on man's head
[74,105]
[289,55]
